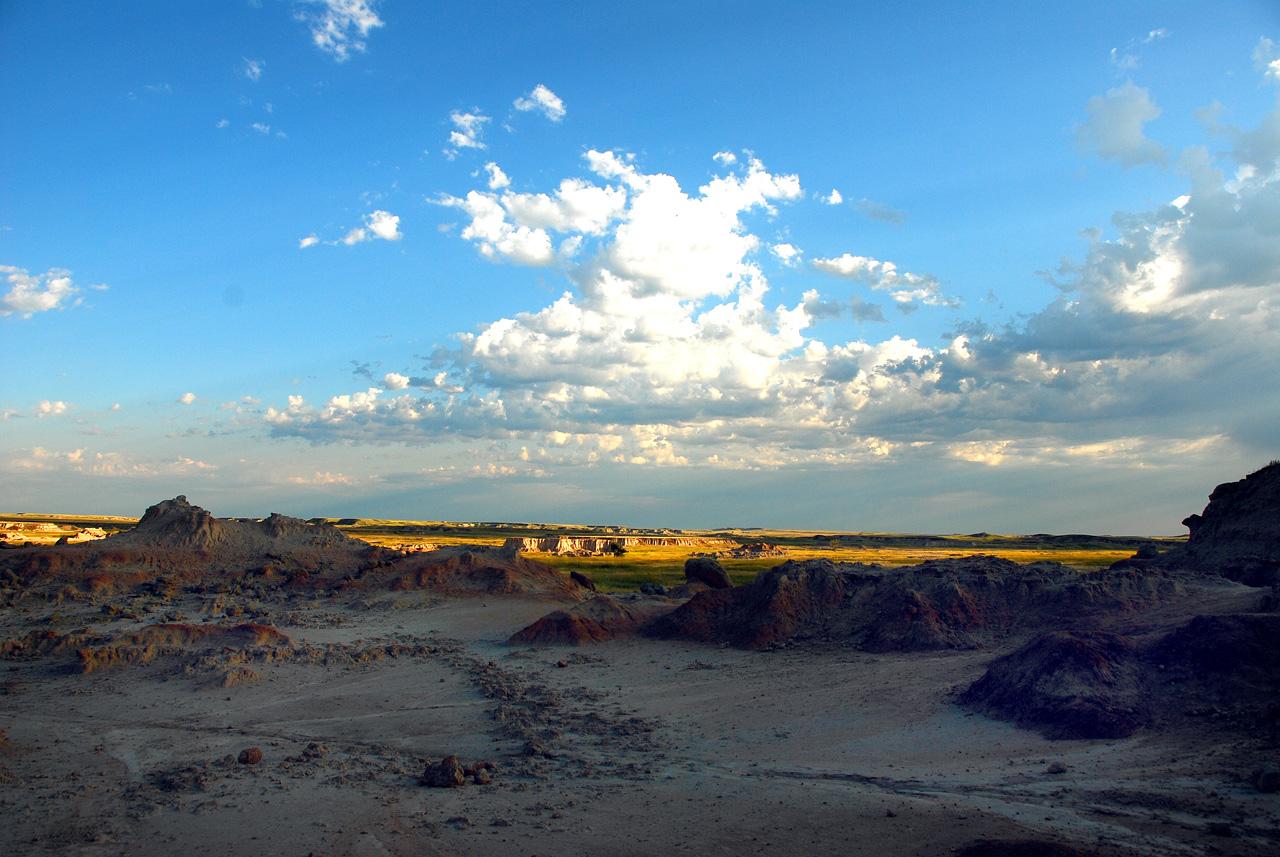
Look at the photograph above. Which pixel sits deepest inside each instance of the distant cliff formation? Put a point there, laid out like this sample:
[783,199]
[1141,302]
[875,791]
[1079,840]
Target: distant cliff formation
[596,546]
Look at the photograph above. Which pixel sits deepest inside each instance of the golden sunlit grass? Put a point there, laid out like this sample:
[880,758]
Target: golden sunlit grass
[665,564]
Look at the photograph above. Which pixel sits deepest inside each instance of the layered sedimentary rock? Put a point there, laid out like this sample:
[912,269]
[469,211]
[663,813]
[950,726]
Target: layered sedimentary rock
[1238,533]
[952,603]
[594,546]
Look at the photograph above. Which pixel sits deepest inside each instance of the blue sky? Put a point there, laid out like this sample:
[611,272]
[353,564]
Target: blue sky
[833,266]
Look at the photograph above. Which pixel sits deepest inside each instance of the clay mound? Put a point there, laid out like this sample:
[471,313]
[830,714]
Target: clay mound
[1098,685]
[952,603]
[481,570]
[594,621]
[1067,684]
[1238,533]
[178,524]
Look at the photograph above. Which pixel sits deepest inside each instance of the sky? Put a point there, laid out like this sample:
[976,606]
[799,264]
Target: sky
[912,267]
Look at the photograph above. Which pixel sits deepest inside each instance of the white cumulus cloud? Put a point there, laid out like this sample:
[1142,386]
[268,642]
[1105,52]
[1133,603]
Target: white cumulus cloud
[29,294]
[665,349]
[468,127]
[339,27]
[1114,129]
[543,101]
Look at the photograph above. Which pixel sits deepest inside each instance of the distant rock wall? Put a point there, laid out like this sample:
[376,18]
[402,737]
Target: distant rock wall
[595,546]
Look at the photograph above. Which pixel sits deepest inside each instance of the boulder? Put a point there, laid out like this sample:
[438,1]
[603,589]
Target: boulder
[250,756]
[707,570]
[447,773]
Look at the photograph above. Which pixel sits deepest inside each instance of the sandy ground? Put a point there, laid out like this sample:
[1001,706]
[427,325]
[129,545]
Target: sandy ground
[633,747]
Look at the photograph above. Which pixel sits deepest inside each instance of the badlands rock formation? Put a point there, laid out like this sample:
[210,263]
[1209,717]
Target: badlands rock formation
[952,603]
[178,547]
[1238,533]
[596,546]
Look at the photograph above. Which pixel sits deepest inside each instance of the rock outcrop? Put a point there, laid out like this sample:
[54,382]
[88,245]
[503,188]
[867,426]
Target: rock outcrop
[1094,684]
[597,620]
[952,603]
[475,570]
[177,523]
[1238,533]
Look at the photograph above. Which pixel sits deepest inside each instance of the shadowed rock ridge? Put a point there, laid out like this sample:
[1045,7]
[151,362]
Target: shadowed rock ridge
[1238,533]
[951,603]
[1094,684]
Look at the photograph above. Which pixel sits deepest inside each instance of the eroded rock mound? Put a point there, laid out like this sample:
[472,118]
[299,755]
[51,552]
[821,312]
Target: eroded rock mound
[594,621]
[1067,684]
[177,523]
[1238,533]
[1082,684]
[480,570]
[952,603]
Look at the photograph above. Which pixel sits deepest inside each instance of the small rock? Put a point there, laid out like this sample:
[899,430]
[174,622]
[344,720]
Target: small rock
[446,773]
[888,813]
[250,756]
[562,664]
[1056,768]
[1220,828]
[582,580]
[315,751]
[652,589]
[481,777]
[1267,779]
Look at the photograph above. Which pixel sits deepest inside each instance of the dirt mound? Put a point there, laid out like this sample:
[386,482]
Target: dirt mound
[178,524]
[479,570]
[594,621]
[1238,533]
[1081,684]
[952,603]
[1067,684]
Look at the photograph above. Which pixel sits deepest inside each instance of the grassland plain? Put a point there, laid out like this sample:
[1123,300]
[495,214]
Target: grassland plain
[665,564]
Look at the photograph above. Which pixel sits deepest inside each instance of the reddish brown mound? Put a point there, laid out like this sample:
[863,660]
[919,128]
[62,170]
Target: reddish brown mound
[174,638]
[1238,533]
[595,621]
[476,570]
[1098,685]
[953,603]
